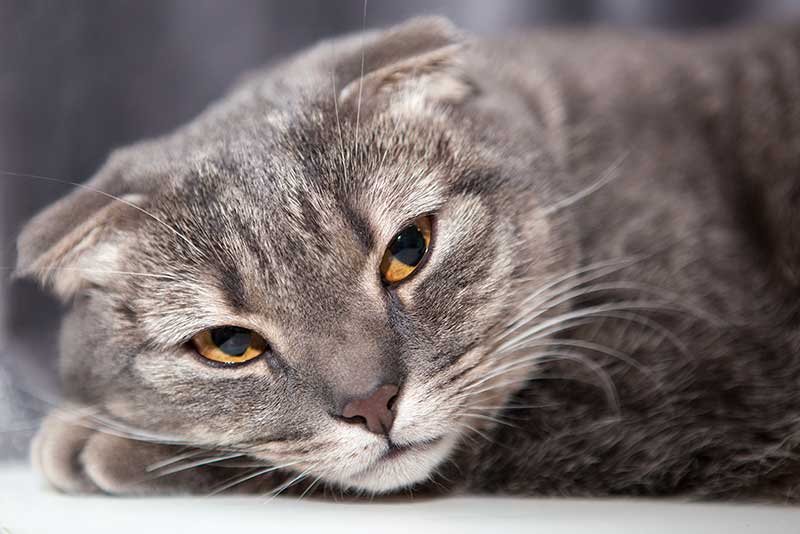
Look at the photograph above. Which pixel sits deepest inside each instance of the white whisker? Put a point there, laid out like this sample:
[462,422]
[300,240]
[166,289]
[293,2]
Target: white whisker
[593,272]
[491,387]
[113,197]
[177,458]
[476,431]
[487,418]
[338,120]
[361,76]
[105,271]
[558,300]
[286,485]
[192,465]
[589,345]
[249,476]
[586,312]
[88,417]
[310,486]
[610,174]
[510,407]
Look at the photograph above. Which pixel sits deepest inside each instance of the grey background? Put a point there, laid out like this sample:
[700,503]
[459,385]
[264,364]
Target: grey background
[81,77]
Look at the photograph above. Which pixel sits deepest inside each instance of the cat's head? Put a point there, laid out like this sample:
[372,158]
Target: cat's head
[313,272]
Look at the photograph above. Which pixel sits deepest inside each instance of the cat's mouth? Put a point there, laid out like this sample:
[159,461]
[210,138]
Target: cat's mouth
[396,451]
[401,465]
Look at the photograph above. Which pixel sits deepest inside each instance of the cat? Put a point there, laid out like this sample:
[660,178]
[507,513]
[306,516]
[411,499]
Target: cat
[413,259]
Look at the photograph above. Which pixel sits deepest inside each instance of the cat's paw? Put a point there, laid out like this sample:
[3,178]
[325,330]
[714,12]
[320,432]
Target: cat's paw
[56,454]
[75,458]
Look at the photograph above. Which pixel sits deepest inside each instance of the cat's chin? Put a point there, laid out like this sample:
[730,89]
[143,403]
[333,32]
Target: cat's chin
[400,468]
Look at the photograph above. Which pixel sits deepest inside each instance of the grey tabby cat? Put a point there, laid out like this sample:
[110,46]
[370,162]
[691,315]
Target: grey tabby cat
[547,264]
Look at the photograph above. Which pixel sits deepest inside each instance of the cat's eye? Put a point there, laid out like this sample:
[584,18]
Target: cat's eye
[406,251]
[229,344]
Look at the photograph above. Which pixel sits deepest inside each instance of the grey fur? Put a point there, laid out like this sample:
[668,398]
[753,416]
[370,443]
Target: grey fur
[610,304]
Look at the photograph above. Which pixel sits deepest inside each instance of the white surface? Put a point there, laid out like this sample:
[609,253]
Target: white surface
[26,506]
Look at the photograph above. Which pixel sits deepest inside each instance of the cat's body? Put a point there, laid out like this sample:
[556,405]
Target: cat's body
[709,189]
[608,306]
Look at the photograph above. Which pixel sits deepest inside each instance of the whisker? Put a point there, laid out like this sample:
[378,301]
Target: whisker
[488,418]
[88,417]
[608,384]
[539,357]
[665,332]
[461,395]
[338,121]
[589,345]
[242,479]
[361,76]
[469,435]
[169,461]
[192,465]
[116,428]
[544,291]
[286,485]
[498,385]
[610,174]
[574,343]
[671,299]
[102,271]
[588,311]
[476,431]
[112,197]
[512,406]
[310,486]
[498,371]
[520,321]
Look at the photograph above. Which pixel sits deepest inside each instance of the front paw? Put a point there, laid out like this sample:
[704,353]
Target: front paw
[74,457]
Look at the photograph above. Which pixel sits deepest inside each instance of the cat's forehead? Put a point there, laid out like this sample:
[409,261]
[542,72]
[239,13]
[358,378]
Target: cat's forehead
[305,209]
[315,156]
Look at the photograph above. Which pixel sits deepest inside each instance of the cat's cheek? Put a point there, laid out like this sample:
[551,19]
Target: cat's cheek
[422,413]
[176,391]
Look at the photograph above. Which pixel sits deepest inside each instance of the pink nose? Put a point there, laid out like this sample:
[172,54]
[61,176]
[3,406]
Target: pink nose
[374,412]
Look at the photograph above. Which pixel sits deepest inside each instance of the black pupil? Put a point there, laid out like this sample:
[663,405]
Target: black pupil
[231,340]
[409,246]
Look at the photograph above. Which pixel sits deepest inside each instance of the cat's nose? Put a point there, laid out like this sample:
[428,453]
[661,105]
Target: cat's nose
[374,412]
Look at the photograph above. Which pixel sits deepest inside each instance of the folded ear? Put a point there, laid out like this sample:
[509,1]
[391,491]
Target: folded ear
[76,241]
[424,54]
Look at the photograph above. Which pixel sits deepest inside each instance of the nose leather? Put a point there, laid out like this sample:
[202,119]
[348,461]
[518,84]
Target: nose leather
[374,411]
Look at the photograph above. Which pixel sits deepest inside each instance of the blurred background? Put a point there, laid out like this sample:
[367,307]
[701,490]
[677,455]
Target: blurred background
[79,78]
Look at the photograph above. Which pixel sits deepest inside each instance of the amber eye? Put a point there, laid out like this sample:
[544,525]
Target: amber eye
[406,251]
[229,344]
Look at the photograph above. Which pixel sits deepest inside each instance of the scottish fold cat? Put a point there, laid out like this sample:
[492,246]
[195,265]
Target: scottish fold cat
[553,263]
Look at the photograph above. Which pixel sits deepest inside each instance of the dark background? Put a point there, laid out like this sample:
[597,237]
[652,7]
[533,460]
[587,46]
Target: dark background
[78,78]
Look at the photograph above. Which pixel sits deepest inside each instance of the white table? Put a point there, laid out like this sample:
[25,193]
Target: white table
[27,506]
